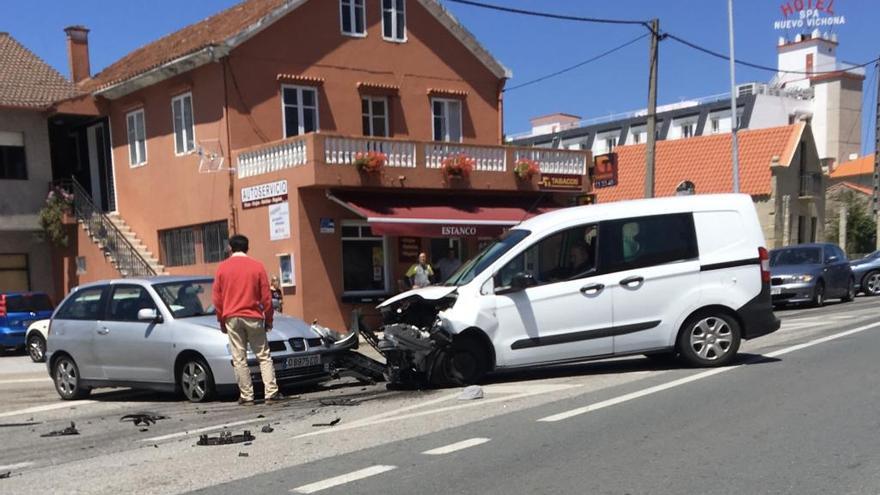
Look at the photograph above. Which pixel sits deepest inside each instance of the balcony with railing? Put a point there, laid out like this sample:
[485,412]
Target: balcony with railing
[330,160]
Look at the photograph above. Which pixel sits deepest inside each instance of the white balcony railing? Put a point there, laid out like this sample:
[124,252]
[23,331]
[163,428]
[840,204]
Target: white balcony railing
[485,159]
[344,151]
[555,161]
[286,154]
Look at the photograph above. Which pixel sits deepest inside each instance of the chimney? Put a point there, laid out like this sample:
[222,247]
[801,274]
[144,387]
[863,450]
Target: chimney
[78,52]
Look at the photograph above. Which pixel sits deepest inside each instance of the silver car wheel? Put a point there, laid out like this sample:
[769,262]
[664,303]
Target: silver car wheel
[194,381]
[36,348]
[872,283]
[711,338]
[66,378]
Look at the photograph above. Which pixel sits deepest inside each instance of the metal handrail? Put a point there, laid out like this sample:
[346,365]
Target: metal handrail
[128,260]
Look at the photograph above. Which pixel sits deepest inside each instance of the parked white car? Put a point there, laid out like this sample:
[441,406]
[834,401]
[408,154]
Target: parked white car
[684,276]
[35,340]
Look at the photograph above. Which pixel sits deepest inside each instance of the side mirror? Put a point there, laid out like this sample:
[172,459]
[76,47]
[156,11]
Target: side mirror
[147,314]
[519,282]
[831,259]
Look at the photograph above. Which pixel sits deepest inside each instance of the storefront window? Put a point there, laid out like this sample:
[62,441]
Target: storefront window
[364,263]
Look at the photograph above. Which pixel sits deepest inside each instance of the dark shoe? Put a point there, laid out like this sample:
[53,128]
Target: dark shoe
[278,397]
[242,402]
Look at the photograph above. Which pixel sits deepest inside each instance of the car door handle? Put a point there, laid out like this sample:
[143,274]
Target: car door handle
[592,289]
[631,281]
[103,331]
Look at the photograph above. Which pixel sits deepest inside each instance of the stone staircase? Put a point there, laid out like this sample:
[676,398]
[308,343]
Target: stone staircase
[138,244]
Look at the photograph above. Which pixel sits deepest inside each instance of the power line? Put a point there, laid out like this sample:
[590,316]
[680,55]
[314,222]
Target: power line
[548,15]
[580,64]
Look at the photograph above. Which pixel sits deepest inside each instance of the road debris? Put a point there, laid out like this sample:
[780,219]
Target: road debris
[243,454]
[267,429]
[5,475]
[332,423]
[341,401]
[13,425]
[70,430]
[143,418]
[225,438]
[471,393]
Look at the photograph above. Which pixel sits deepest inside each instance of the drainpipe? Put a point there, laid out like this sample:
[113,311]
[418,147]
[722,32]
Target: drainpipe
[233,212]
[501,83]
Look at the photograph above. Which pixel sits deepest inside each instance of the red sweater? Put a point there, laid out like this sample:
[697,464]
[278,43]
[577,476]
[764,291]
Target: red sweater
[241,288]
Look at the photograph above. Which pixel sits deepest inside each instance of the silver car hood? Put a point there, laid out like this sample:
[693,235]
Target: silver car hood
[284,327]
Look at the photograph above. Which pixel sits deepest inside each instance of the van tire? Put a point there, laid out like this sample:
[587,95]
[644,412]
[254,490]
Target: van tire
[465,362]
[709,339]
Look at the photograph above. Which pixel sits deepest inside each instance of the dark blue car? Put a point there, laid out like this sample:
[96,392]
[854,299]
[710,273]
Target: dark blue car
[17,311]
[810,273]
[867,273]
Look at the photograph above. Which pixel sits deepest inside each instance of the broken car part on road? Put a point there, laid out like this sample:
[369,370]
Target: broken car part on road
[70,430]
[225,438]
[143,419]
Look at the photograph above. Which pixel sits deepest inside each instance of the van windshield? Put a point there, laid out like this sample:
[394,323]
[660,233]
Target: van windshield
[487,256]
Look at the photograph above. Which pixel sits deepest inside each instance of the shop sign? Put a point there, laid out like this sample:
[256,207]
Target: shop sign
[408,249]
[328,226]
[808,14]
[605,170]
[279,221]
[561,182]
[264,194]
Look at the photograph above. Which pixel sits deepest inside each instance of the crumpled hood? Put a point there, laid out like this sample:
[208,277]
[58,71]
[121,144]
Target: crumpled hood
[791,270]
[430,293]
[284,327]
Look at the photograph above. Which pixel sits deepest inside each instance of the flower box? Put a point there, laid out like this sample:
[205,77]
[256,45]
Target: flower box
[525,169]
[457,166]
[370,162]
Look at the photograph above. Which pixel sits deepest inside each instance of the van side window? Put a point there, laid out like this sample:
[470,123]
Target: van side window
[646,241]
[86,304]
[127,300]
[566,255]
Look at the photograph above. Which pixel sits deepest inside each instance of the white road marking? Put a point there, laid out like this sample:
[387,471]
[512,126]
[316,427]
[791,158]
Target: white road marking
[47,407]
[395,416]
[13,467]
[699,376]
[201,430]
[46,380]
[455,447]
[343,479]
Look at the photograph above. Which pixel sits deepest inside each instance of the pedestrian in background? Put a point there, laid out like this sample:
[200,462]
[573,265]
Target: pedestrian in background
[448,265]
[243,304]
[277,295]
[421,273]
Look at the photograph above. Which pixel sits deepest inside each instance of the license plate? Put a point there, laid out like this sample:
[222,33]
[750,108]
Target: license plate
[302,361]
[775,291]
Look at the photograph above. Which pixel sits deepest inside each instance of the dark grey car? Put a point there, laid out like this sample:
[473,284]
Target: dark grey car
[867,274]
[810,273]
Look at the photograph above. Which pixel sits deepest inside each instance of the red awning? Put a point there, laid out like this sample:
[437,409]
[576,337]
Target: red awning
[435,215]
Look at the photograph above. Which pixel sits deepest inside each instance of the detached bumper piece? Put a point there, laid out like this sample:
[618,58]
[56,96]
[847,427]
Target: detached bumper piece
[356,365]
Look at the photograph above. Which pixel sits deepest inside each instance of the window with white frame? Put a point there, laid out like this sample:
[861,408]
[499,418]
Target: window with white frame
[374,114]
[446,119]
[351,15]
[300,110]
[688,130]
[637,135]
[394,20]
[184,129]
[137,138]
[684,127]
[364,260]
[605,142]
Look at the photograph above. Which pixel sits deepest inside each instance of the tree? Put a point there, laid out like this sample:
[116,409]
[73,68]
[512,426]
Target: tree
[860,227]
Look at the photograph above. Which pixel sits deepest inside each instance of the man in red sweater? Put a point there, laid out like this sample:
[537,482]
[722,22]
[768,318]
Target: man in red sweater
[243,304]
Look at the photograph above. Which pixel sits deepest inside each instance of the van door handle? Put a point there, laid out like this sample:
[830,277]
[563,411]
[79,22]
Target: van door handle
[103,331]
[631,281]
[592,289]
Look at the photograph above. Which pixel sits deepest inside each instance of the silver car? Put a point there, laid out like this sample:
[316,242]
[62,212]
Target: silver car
[162,334]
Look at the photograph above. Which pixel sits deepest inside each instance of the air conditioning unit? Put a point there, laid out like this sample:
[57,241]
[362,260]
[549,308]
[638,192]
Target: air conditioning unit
[746,89]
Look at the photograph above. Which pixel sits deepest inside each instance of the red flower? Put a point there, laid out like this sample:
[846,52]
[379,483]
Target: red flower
[525,168]
[458,166]
[370,162]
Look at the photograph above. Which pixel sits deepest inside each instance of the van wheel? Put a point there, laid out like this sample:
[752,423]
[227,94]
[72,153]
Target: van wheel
[65,374]
[196,380]
[850,291]
[819,295]
[36,348]
[709,339]
[464,363]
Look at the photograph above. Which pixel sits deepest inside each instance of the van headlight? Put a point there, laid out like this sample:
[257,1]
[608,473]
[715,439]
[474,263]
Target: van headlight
[802,278]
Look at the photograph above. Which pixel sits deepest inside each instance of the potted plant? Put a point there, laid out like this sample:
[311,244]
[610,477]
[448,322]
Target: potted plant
[525,169]
[58,204]
[370,162]
[458,166]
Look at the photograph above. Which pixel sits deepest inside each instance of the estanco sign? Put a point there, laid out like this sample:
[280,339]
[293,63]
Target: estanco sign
[800,14]
[264,194]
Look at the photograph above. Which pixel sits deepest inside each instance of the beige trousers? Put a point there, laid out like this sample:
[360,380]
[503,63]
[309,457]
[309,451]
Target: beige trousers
[241,332]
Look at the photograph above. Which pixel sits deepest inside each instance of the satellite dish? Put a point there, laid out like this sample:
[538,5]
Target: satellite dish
[211,157]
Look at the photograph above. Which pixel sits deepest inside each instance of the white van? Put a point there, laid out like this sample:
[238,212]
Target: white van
[686,276]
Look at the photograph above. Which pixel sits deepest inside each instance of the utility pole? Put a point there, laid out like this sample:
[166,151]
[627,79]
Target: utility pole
[877,158]
[733,119]
[651,126]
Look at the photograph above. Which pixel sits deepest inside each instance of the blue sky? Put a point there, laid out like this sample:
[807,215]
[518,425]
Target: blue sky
[530,47]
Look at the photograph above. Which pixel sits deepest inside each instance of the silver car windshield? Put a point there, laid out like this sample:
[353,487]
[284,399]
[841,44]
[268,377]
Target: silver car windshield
[188,298]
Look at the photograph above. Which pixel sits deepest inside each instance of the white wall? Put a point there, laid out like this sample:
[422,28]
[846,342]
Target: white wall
[20,200]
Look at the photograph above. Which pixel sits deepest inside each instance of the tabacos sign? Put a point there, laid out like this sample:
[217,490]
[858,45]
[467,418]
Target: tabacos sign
[802,14]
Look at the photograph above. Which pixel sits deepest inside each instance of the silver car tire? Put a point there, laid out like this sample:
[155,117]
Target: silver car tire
[871,283]
[709,339]
[196,380]
[68,383]
[36,348]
